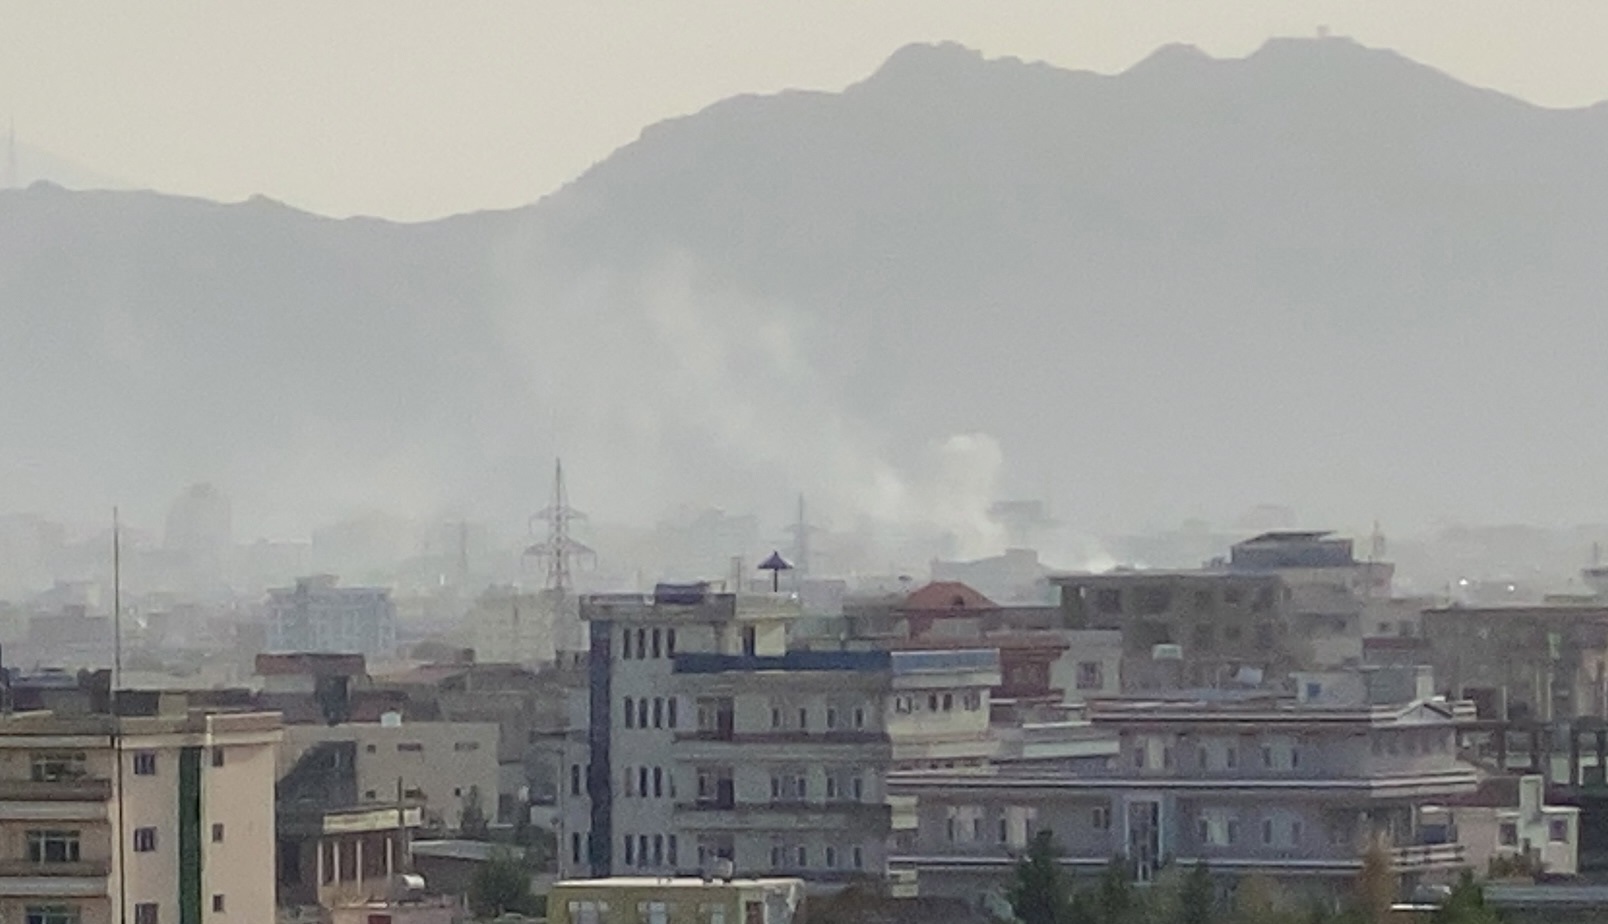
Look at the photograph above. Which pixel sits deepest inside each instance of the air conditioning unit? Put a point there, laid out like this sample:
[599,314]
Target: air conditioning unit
[1167,653]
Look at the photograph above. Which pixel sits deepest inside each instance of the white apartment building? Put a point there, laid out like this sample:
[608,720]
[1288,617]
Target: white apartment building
[170,816]
[706,738]
[318,616]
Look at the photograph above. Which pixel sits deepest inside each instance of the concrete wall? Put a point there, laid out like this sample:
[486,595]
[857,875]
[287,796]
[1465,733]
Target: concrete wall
[441,761]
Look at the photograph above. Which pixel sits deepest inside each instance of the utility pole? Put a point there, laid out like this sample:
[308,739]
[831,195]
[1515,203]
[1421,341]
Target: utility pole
[560,551]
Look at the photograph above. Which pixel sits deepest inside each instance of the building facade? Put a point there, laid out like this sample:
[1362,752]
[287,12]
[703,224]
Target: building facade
[703,738]
[147,819]
[1258,786]
[317,615]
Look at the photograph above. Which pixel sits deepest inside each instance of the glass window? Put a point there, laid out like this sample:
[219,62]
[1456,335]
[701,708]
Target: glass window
[217,832]
[144,840]
[53,847]
[145,765]
[217,902]
[217,761]
[56,766]
[1558,830]
[51,914]
[145,913]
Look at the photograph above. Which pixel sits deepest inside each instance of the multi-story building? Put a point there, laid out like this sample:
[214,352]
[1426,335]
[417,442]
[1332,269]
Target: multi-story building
[1509,819]
[1536,663]
[150,819]
[703,737]
[1334,600]
[660,900]
[439,766]
[513,626]
[317,615]
[1186,628]
[1248,785]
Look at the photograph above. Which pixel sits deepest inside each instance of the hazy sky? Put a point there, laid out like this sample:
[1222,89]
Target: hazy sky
[415,109]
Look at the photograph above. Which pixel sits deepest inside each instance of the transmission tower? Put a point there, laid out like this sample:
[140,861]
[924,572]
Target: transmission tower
[559,551]
[801,531]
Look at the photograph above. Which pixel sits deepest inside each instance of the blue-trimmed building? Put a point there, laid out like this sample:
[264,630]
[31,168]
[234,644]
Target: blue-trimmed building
[706,737]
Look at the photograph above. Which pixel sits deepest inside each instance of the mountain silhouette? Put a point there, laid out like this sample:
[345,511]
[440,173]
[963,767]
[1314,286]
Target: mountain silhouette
[1322,274]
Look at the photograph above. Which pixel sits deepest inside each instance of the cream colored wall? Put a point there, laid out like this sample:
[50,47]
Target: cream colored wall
[240,796]
[152,801]
[438,770]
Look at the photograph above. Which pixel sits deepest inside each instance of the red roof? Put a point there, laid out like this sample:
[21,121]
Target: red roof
[947,596]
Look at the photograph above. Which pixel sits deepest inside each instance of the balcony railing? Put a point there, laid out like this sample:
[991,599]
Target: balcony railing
[81,869]
[85,789]
[1422,856]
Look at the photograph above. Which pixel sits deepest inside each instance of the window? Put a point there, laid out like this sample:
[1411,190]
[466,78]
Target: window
[217,761]
[670,707]
[407,746]
[803,718]
[51,914]
[1508,834]
[625,645]
[1267,831]
[658,848]
[642,643]
[658,652]
[658,782]
[370,748]
[949,702]
[575,847]
[145,765]
[658,712]
[630,850]
[144,840]
[145,913]
[642,782]
[974,700]
[217,902]
[750,640]
[54,767]
[802,855]
[1091,675]
[670,643]
[217,832]
[575,779]
[831,717]
[859,716]
[857,787]
[670,851]
[831,857]
[832,786]
[642,712]
[1100,818]
[857,857]
[630,713]
[932,702]
[462,746]
[53,847]
[1203,759]
[903,705]
[1558,830]
[776,717]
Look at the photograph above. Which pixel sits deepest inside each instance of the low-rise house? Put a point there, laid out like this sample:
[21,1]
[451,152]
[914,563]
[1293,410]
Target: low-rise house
[1507,828]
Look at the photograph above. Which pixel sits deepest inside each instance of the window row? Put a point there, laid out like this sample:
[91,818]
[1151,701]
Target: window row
[797,857]
[1221,828]
[648,643]
[836,717]
[969,700]
[657,712]
[645,852]
[649,783]
[1412,743]
[1159,754]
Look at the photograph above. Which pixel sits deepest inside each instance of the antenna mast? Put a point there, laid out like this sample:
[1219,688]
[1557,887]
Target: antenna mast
[560,551]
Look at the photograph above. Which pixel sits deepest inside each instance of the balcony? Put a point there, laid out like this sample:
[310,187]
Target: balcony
[785,816]
[82,869]
[85,789]
[1427,856]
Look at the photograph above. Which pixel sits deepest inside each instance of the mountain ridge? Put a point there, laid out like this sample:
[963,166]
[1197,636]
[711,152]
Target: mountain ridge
[1185,288]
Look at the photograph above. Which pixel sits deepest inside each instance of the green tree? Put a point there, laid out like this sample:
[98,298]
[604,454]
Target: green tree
[1114,898]
[1376,885]
[1038,895]
[472,821]
[502,885]
[1196,896]
[1466,905]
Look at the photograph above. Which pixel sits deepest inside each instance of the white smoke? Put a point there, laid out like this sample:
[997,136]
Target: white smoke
[669,386]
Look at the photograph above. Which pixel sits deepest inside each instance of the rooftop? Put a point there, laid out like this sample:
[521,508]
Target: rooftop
[681,882]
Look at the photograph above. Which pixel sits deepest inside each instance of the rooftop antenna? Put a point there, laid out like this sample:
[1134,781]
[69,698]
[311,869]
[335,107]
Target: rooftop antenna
[801,530]
[560,551]
[117,712]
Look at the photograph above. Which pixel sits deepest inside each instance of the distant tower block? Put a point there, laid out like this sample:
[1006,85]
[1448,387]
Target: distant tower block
[560,552]
[1024,521]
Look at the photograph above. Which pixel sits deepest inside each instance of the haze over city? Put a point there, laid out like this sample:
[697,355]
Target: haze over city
[831,463]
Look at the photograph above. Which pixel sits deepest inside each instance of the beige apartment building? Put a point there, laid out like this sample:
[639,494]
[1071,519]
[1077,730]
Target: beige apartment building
[437,765]
[170,814]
